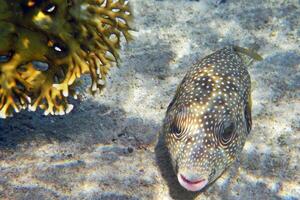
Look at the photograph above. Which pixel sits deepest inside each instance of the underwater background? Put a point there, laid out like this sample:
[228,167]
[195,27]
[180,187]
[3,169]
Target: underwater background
[106,147]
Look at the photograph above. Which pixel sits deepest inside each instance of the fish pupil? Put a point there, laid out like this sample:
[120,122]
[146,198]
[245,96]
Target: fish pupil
[175,129]
[227,132]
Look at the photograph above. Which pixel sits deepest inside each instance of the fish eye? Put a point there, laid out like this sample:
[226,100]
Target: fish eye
[178,123]
[228,130]
[226,133]
[176,130]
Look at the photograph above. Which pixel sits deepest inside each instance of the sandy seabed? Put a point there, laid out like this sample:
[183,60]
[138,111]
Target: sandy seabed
[105,148]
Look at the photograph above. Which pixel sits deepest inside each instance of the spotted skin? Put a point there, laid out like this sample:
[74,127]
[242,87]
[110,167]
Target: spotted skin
[208,120]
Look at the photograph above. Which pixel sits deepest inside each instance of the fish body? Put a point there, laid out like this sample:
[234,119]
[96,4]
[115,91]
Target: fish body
[209,118]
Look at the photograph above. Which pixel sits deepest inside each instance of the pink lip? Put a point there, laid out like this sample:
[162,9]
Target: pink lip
[194,185]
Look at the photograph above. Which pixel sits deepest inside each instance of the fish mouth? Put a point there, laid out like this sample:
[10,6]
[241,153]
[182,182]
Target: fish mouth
[192,185]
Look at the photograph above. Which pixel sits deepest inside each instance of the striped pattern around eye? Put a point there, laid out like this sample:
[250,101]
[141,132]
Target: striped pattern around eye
[225,132]
[180,125]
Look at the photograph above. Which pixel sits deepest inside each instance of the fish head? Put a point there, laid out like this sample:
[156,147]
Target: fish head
[203,144]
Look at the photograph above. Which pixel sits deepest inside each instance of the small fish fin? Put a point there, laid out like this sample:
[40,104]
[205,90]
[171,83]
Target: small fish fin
[247,114]
[251,52]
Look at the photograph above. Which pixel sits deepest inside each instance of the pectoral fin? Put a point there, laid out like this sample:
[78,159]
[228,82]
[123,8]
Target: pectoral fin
[247,114]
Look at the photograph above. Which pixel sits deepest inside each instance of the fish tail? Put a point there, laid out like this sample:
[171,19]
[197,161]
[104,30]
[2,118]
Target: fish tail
[251,52]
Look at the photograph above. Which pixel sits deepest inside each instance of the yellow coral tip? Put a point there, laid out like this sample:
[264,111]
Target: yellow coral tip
[2,115]
[61,112]
[31,108]
[28,99]
[66,93]
[69,108]
[30,3]
[101,82]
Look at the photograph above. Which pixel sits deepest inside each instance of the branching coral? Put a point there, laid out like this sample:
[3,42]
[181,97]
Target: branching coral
[46,45]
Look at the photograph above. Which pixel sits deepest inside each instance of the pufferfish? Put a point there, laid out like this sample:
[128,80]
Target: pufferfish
[209,119]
